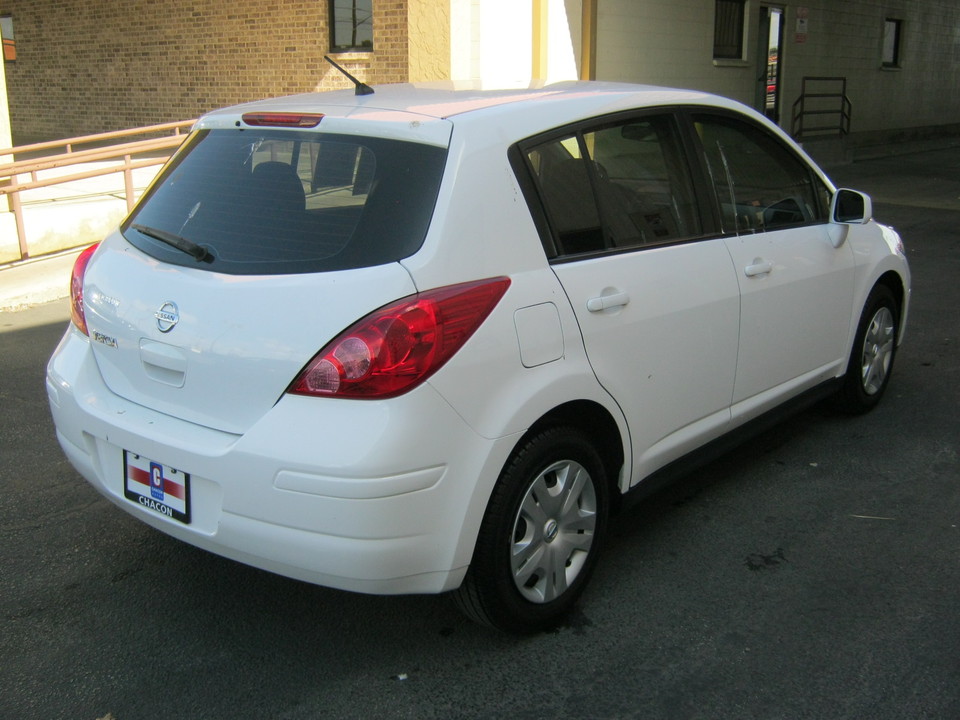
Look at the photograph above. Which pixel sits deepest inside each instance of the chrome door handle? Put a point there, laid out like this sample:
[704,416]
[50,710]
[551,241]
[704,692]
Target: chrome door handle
[605,302]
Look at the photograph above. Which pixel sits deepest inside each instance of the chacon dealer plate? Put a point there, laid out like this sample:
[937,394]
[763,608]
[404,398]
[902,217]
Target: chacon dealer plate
[157,487]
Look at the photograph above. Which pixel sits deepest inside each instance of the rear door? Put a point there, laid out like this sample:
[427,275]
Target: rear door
[658,305]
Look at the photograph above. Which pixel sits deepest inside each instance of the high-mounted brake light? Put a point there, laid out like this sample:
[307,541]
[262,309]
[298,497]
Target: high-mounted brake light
[282,119]
[76,289]
[397,347]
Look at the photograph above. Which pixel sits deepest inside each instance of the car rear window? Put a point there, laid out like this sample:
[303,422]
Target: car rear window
[279,202]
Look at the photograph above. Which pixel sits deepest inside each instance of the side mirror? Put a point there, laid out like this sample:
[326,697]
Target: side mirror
[851,207]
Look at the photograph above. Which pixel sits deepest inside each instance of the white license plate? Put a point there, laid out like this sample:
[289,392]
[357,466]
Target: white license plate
[157,487]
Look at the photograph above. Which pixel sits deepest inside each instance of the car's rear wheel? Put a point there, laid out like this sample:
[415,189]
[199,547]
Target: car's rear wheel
[874,349]
[540,536]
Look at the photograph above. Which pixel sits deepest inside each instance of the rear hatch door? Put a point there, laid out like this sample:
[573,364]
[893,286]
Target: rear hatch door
[213,349]
[253,248]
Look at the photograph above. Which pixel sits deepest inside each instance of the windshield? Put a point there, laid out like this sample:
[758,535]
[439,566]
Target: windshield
[275,202]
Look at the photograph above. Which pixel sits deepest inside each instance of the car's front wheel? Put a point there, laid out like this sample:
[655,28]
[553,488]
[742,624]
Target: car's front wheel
[874,349]
[540,536]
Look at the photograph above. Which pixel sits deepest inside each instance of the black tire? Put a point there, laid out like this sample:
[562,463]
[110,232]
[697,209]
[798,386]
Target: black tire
[540,536]
[873,352]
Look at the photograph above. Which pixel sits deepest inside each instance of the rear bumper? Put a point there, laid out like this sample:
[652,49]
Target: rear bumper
[378,497]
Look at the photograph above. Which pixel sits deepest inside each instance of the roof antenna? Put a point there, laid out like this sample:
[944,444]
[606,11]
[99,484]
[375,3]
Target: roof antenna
[362,88]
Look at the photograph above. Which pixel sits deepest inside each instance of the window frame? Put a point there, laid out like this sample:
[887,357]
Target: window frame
[891,48]
[9,38]
[730,18]
[352,47]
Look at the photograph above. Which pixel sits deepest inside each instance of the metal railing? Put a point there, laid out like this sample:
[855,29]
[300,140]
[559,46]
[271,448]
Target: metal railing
[22,175]
[822,110]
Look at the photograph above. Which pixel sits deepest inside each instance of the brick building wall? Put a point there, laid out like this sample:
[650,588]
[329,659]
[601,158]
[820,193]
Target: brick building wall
[87,66]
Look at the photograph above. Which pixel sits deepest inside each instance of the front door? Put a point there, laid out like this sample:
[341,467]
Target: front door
[796,286]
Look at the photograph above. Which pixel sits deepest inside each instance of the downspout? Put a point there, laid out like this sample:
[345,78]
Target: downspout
[588,40]
[538,67]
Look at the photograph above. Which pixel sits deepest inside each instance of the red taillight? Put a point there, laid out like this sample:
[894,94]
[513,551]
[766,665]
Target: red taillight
[278,119]
[397,347]
[76,289]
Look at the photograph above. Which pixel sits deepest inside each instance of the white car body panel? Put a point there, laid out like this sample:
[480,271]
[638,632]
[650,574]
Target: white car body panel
[343,116]
[466,240]
[316,496]
[877,251]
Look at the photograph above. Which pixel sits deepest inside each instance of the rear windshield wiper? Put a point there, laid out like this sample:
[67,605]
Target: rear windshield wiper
[199,252]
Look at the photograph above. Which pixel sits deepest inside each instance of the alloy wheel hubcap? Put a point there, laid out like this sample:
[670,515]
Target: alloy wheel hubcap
[878,346]
[553,531]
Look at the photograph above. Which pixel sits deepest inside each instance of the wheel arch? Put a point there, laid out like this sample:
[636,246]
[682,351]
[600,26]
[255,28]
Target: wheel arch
[596,422]
[488,593]
[898,286]
[893,281]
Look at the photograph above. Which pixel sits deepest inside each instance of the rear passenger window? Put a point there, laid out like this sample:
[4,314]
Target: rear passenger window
[619,186]
[563,178]
[759,183]
[645,181]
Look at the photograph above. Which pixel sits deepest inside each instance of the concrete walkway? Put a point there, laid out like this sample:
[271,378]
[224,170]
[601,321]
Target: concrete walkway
[32,282]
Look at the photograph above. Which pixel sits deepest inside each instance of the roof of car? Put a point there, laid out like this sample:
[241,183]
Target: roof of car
[412,106]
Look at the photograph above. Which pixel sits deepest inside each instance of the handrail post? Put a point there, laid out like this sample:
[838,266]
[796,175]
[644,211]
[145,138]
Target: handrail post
[17,209]
[128,182]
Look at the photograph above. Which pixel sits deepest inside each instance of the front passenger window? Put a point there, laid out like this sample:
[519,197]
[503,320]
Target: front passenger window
[759,183]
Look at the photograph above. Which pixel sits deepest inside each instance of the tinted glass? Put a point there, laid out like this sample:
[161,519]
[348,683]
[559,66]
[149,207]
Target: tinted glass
[644,190]
[759,183]
[563,179]
[620,186]
[275,202]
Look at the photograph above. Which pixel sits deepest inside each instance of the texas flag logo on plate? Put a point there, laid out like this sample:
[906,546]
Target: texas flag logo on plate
[157,487]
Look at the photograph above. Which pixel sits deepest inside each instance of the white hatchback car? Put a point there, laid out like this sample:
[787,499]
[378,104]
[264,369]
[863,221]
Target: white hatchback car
[427,340]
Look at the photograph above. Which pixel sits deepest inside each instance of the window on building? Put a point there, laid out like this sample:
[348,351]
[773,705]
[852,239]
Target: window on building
[891,42]
[728,29]
[351,25]
[9,44]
